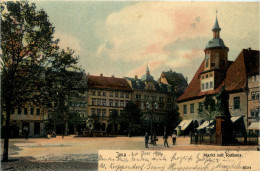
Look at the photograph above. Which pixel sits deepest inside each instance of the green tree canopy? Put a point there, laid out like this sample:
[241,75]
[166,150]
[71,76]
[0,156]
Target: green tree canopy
[131,116]
[209,109]
[26,45]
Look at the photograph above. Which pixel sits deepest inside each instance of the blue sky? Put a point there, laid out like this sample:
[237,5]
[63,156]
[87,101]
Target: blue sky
[120,38]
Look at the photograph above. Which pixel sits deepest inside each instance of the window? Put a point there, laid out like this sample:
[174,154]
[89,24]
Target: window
[32,111]
[38,111]
[116,103]
[103,102]
[19,111]
[122,95]
[160,98]
[93,102]
[25,111]
[103,112]
[211,84]
[253,95]
[93,112]
[99,93]
[110,112]
[257,95]
[104,93]
[121,112]
[12,110]
[202,86]
[138,96]
[127,95]
[121,103]
[236,102]
[212,64]
[116,94]
[207,76]
[207,63]
[98,112]
[207,85]
[111,94]
[99,102]
[252,113]
[184,109]
[202,76]
[110,102]
[93,93]
[222,62]
[200,106]
[192,108]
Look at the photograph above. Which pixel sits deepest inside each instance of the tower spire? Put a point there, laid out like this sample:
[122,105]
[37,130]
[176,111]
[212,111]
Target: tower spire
[216,29]
[147,69]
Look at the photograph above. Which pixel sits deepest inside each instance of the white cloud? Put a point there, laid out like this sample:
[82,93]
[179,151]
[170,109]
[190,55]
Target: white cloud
[140,33]
[67,40]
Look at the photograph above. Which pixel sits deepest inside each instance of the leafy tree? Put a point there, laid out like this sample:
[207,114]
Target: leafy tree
[209,109]
[172,119]
[131,117]
[64,81]
[26,44]
[113,118]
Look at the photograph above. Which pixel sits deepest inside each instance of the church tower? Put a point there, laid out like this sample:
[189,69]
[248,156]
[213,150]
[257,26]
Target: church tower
[216,61]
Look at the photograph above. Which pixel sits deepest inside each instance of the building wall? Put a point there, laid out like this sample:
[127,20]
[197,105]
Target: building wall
[100,100]
[242,108]
[253,98]
[163,101]
[33,120]
[189,115]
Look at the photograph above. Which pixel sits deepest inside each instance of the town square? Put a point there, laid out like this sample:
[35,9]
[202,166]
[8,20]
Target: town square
[78,78]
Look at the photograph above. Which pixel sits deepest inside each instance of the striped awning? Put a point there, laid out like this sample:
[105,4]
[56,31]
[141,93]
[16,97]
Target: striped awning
[206,124]
[235,118]
[254,126]
[184,124]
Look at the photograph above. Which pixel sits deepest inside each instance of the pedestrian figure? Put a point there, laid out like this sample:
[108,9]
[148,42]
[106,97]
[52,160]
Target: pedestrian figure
[146,139]
[154,140]
[196,137]
[26,134]
[151,139]
[173,138]
[165,138]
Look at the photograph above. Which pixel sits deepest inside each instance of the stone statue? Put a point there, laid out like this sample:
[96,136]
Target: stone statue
[223,104]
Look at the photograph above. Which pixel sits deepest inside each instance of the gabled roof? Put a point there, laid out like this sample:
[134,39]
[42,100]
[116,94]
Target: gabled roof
[236,76]
[101,82]
[138,84]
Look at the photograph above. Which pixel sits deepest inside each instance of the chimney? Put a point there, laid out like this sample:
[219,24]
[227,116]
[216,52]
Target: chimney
[249,49]
[136,77]
[88,73]
[113,76]
[187,79]
[101,75]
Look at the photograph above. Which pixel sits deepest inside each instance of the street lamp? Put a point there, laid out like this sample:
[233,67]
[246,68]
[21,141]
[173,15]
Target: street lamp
[150,110]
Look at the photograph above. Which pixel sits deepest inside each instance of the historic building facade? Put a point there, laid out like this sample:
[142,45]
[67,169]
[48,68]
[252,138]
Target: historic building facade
[105,94]
[153,98]
[217,71]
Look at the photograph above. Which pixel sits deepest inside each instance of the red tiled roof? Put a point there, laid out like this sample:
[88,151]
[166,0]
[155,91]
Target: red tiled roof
[246,63]
[101,82]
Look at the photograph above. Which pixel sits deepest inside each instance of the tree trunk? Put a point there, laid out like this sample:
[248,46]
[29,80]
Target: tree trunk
[6,138]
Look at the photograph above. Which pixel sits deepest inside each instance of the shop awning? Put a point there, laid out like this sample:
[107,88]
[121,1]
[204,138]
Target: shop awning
[254,126]
[206,124]
[184,124]
[235,118]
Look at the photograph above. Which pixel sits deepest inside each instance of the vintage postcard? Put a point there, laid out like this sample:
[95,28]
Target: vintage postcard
[130,85]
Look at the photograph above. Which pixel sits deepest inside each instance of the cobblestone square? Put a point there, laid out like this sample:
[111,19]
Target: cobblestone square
[70,153]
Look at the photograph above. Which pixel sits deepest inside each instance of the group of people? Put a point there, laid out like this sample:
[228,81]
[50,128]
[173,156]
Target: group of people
[154,139]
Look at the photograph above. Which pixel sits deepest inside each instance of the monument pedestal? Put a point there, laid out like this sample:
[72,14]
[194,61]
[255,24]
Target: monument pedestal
[224,130]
